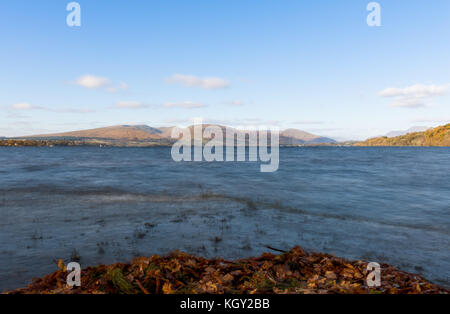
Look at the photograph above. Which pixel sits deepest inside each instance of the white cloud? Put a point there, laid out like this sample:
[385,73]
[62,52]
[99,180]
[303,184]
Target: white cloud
[28,106]
[129,105]
[194,81]
[22,106]
[92,82]
[140,105]
[432,120]
[418,91]
[185,104]
[414,96]
[97,82]
[409,102]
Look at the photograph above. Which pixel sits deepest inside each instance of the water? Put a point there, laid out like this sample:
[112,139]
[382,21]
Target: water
[106,205]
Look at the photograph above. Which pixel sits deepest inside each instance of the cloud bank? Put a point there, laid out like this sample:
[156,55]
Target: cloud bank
[97,82]
[28,106]
[415,96]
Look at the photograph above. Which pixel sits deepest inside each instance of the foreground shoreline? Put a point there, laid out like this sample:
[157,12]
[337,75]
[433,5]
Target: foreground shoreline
[293,272]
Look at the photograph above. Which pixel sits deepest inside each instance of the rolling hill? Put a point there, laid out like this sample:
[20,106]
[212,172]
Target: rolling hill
[121,132]
[439,136]
[126,134]
[294,136]
[413,129]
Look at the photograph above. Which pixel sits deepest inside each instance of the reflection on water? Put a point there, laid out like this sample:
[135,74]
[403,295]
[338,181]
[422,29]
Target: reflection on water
[111,204]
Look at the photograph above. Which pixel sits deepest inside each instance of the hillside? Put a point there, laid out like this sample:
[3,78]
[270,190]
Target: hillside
[439,136]
[294,136]
[413,129]
[287,137]
[122,132]
[135,135]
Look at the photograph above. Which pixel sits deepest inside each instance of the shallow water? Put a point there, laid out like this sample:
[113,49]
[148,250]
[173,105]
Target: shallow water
[110,204]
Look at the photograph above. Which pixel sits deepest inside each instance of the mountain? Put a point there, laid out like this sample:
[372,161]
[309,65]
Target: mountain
[119,133]
[414,129]
[287,137]
[294,136]
[124,134]
[439,136]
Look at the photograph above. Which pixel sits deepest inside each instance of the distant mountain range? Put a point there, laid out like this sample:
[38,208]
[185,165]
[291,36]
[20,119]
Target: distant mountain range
[439,136]
[141,134]
[144,135]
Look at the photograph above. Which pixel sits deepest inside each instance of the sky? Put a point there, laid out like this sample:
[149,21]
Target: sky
[312,65]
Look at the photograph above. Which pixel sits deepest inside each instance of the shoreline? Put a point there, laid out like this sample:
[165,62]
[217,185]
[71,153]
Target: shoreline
[292,272]
[108,144]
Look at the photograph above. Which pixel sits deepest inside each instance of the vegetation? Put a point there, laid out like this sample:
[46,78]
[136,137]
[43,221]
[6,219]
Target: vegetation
[39,143]
[439,136]
[295,271]
[78,142]
[143,136]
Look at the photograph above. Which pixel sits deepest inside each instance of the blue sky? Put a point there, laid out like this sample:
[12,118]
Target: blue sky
[311,65]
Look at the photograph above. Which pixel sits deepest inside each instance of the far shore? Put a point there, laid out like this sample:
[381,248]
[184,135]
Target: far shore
[115,143]
[110,143]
